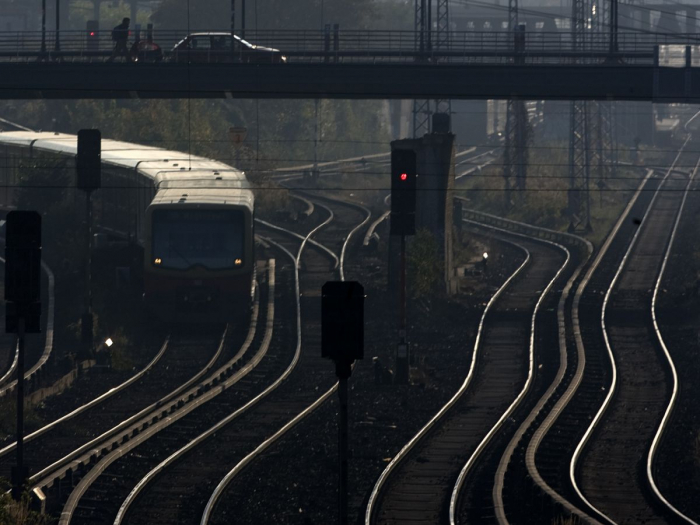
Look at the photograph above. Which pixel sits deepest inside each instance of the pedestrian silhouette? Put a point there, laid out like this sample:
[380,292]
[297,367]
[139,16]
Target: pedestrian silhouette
[120,36]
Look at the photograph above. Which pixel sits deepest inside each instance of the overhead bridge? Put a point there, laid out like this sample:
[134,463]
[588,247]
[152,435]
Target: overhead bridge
[365,65]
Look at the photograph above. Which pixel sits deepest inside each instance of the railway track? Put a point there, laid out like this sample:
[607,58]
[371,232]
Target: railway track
[417,484]
[248,425]
[477,494]
[36,353]
[613,476]
[98,497]
[520,491]
[341,239]
[50,452]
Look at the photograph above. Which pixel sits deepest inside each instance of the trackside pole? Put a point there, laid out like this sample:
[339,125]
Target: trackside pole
[343,449]
[19,474]
[22,309]
[402,357]
[342,331]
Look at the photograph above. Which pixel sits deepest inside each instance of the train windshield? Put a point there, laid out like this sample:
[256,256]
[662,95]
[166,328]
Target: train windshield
[213,239]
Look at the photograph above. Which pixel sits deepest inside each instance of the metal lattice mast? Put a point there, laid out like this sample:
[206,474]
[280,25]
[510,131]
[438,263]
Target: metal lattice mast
[426,41]
[421,108]
[442,42]
[515,158]
[579,161]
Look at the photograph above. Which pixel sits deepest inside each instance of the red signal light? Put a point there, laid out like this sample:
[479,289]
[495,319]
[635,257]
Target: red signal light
[92,33]
[404,176]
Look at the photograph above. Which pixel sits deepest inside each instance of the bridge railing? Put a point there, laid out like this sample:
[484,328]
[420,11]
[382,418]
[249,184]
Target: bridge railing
[385,46]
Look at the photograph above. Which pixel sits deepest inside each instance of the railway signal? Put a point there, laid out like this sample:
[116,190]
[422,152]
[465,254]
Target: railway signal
[403,192]
[404,179]
[88,167]
[88,162]
[92,35]
[342,340]
[23,309]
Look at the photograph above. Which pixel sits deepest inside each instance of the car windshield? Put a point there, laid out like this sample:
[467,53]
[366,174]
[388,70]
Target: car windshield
[209,238]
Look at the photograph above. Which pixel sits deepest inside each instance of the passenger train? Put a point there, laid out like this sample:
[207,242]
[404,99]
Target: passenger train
[193,217]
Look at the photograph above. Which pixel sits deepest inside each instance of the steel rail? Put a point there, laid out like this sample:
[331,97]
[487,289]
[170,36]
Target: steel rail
[268,336]
[674,395]
[611,356]
[346,242]
[553,416]
[91,403]
[260,354]
[48,338]
[304,239]
[94,448]
[189,401]
[373,227]
[523,392]
[297,354]
[499,483]
[13,365]
[402,454]
[226,480]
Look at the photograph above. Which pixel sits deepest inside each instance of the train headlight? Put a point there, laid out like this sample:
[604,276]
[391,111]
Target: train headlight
[158,260]
[109,342]
[238,262]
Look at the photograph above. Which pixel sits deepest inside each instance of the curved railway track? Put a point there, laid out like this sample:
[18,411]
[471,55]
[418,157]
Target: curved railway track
[520,484]
[612,472]
[477,494]
[417,484]
[35,352]
[150,502]
[334,236]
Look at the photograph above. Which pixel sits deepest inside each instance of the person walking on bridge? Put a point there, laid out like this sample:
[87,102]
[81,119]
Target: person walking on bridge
[120,36]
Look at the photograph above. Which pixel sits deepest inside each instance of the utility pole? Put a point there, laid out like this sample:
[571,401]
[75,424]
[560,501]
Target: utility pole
[43,27]
[442,41]
[57,46]
[579,151]
[23,309]
[242,18]
[403,223]
[423,25]
[88,167]
[515,157]
[342,340]
[421,107]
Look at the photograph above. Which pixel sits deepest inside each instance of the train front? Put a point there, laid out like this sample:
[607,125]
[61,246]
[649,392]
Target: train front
[199,256]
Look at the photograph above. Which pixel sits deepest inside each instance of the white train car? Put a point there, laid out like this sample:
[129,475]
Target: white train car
[193,217]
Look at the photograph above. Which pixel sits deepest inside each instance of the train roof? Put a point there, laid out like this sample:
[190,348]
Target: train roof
[159,165]
[204,197]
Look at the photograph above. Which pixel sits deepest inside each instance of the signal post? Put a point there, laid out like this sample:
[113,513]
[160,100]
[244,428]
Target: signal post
[23,309]
[342,340]
[403,223]
[89,165]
